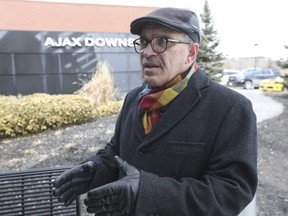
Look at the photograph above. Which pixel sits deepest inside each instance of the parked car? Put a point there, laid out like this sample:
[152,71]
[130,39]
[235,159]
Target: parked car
[251,77]
[226,74]
[278,84]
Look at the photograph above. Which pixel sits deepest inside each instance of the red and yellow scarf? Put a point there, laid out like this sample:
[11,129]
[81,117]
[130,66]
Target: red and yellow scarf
[155,99]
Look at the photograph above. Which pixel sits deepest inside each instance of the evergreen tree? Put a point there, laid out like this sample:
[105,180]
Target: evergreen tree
[283,63]
[208,58]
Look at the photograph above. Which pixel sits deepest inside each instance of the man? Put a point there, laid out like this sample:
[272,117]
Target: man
[183,144]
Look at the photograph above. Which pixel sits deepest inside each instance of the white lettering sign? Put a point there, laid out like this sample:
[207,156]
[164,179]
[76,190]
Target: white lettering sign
[88,42]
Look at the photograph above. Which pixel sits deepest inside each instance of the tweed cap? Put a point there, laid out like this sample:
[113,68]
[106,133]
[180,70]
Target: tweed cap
[174,18]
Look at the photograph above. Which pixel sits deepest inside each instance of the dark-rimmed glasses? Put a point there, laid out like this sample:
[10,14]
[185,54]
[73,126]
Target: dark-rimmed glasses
[158,44]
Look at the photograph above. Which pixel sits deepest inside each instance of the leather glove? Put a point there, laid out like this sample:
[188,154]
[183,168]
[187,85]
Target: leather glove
[117,198]
[74,182]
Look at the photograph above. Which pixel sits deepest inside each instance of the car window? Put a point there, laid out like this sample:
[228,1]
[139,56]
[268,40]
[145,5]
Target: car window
[276,71]
[230,72]
[248,72]
[258,72]
[266,71]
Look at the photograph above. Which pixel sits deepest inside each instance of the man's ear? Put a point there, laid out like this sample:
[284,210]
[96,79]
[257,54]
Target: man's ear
[193,51]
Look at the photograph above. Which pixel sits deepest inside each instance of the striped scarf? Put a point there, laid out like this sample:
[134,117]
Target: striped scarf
[152,100]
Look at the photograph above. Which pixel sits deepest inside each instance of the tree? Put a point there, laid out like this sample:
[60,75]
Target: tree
[208,58]
[283,63]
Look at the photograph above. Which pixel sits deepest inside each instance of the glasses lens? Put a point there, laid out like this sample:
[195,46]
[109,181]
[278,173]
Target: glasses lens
[139,45]
[159,44]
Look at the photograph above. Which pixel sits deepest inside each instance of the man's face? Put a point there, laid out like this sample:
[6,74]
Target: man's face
[159,69]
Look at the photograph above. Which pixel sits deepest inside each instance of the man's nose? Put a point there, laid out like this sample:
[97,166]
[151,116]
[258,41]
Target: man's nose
[148,51]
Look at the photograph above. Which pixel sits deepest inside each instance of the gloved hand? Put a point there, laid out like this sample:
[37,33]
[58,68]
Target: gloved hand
[116,198]
[74,182]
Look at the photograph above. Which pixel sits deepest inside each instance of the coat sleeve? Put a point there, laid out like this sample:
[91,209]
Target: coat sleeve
[106,170]
[227,186]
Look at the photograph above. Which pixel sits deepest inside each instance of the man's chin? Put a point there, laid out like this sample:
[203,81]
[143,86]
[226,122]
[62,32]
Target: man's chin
[152,83]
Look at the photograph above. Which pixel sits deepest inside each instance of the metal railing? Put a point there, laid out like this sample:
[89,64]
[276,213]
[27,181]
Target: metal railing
[30,193]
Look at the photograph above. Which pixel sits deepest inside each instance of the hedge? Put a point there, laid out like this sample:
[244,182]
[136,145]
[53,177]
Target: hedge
[34,113]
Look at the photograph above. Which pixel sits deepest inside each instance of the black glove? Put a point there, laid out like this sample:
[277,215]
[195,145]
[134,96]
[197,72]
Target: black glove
[74,182]
[116,198]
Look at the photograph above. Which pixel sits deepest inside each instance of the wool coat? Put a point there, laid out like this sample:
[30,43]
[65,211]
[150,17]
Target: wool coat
[199,160]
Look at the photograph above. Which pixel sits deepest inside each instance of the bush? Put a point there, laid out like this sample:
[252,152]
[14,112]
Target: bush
[38,112]
[111,108]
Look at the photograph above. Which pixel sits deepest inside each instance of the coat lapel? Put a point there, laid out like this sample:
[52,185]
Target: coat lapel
[179,107]
[137,123]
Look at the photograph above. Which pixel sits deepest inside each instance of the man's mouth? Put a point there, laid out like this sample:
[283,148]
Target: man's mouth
[149,65]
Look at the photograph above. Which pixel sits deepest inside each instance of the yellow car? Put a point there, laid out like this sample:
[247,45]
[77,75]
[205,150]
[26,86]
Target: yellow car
[276,84]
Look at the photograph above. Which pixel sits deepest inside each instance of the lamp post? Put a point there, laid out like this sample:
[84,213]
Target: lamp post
[255,58]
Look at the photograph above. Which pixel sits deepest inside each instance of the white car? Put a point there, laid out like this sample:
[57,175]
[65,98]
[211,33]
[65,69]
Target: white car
[226,74]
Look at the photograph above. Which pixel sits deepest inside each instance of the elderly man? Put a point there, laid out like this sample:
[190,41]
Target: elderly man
[183,144]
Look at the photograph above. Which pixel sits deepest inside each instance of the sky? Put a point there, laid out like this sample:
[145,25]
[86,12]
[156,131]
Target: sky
[245,28]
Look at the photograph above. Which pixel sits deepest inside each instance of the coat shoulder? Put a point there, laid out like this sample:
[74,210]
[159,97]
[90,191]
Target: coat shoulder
[224,93]
[214,91]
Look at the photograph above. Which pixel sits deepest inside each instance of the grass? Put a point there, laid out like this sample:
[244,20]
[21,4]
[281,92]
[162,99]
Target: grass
[100,89]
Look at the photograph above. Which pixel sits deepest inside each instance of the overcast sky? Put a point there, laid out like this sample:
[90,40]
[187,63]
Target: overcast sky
[240,24]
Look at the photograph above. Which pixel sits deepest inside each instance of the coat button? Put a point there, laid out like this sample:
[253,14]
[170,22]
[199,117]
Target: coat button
[143,151]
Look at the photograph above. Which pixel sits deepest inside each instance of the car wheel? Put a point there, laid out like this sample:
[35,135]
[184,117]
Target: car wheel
[248,85]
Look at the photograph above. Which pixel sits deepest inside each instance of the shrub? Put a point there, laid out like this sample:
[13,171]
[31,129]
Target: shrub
[111,108]
[38,112]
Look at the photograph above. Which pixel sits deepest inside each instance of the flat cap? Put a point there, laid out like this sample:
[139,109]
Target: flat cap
[174,18]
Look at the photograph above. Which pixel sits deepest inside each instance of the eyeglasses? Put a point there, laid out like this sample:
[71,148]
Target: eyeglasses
[158,44]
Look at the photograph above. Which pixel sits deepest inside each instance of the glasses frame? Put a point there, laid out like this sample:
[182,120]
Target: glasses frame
[150,41]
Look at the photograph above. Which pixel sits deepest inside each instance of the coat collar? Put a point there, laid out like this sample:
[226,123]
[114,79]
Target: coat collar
[180,106]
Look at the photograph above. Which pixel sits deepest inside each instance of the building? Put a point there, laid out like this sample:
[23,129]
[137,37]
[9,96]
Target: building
[52,47]
[248,62]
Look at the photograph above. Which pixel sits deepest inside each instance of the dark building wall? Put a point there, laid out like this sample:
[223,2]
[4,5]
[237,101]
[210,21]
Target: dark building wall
[56,62]
[26,66]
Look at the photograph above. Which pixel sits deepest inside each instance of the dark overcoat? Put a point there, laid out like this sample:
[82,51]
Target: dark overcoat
[199,160]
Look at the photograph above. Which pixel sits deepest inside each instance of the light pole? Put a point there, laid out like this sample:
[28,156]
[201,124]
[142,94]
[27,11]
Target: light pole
[255,59]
